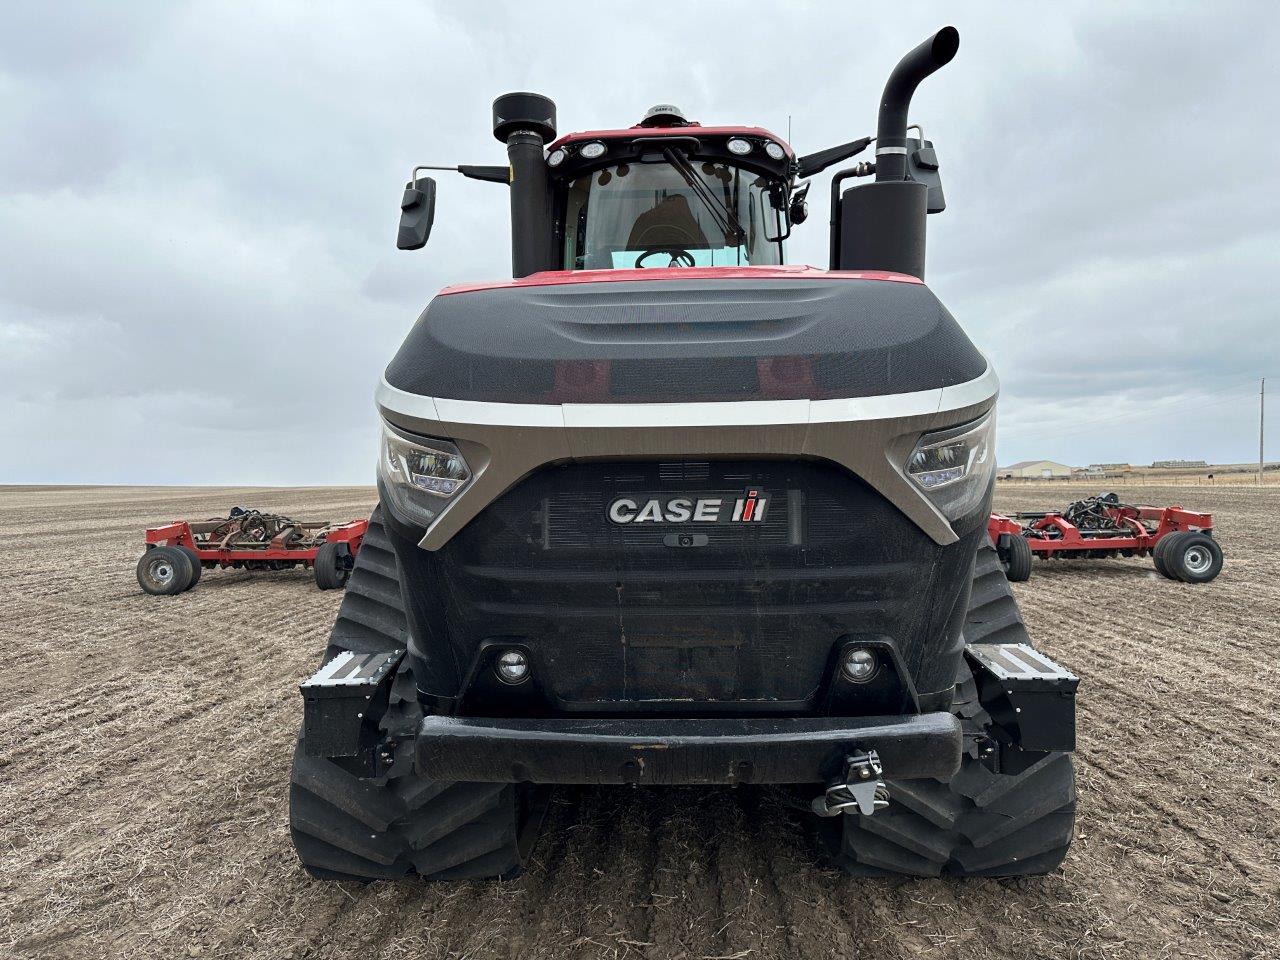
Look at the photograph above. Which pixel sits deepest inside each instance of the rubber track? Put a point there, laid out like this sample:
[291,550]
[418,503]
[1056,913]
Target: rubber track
[345,827]
[979,823]
[993,615]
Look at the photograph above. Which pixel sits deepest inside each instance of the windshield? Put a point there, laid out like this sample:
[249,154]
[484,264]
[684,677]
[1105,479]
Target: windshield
[682,213]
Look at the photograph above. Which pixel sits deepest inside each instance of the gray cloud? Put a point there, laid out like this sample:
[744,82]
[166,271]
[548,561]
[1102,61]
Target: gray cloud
[198,280]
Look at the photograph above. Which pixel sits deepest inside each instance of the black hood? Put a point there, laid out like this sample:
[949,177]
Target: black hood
[685,340]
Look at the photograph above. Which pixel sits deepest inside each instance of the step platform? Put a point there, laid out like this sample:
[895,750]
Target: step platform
[1030,697]
[343,702]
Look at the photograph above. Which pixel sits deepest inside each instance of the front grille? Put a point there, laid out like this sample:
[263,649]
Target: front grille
[683,471]
[621,613]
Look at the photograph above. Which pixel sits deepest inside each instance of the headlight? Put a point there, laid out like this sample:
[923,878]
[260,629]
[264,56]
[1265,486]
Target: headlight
[420,475]
[953,467]
[592,150]
[739,146]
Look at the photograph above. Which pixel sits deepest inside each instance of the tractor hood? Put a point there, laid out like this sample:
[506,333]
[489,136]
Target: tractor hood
[685,335]
[702,363]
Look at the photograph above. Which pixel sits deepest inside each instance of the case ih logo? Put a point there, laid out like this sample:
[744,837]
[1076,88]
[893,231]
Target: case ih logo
[646,508]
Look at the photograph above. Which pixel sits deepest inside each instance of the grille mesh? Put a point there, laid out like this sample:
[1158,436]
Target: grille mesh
[615,613]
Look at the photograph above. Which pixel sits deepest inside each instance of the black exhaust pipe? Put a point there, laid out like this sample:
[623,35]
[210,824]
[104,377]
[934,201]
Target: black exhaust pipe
[891,129]
[882,224]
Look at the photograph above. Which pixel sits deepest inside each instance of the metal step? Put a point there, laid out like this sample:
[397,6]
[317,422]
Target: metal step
[1023,664]
[343,701]
[1031,699]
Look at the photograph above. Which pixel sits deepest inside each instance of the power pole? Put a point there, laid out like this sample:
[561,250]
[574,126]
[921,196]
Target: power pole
[1262,422]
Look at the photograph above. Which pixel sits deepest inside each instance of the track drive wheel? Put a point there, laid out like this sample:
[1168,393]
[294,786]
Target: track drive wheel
[1193,557]
[350,828]
[331,569]
[978,823]
[165,571]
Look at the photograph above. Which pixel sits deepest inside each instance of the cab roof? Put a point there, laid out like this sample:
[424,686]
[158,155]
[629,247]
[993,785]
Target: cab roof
[688,130]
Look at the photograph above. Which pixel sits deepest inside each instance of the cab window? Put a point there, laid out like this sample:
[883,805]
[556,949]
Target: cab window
[643,215]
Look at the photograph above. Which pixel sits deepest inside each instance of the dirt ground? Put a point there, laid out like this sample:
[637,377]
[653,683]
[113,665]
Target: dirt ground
[145,741]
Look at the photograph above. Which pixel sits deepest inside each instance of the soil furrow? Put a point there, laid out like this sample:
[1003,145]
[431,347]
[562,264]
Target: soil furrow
[145,746]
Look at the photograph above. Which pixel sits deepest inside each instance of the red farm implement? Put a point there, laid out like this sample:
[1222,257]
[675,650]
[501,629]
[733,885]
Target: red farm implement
[247,539]
[1180,542]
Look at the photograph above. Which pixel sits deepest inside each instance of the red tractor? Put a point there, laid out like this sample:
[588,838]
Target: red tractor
[662,509]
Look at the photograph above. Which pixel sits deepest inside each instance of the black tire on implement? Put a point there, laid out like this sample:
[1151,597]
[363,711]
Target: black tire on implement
[196,567]
[979,823]
[1159,553]
[1193,558]
[349,828]
[164,571]
[1017,566]
[331,569]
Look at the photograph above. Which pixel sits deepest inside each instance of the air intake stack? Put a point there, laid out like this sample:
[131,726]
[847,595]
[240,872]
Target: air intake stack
[882,224]
[525,122]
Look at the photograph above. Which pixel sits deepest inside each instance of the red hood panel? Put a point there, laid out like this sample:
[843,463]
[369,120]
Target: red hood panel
[795,271]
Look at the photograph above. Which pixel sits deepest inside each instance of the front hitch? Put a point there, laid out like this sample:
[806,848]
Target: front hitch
[860,789]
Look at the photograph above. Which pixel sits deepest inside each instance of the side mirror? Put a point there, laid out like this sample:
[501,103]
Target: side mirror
[777,224]
[417,212]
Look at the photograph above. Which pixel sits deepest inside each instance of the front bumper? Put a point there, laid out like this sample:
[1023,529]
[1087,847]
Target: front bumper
[682,751]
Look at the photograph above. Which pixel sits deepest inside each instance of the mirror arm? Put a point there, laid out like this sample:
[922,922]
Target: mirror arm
[473,172]
[807,166]
[491,174]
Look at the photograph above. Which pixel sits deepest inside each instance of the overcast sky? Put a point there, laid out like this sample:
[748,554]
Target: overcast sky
[198,203]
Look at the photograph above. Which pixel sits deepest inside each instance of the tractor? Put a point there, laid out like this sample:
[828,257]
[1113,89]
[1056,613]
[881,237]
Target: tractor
[662,509]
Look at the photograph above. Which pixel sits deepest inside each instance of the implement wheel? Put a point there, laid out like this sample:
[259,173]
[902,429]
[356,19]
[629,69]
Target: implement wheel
[1157,554]
[196,567]
[331,567]
[165,571]
[1193,557]
[1016,559]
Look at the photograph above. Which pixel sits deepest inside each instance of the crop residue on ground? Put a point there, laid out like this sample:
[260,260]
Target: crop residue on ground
[145,743]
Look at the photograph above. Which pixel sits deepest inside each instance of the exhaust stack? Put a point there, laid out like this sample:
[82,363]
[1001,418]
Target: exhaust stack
[882,224]
[891,128]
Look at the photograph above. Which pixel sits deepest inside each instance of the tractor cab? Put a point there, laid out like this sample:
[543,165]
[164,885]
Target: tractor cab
[670,193]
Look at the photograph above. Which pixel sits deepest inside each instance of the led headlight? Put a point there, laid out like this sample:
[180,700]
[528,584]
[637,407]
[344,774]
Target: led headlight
[555,158]
[953,467]
[775,150]
[592,150]
[420,475]
[739,146]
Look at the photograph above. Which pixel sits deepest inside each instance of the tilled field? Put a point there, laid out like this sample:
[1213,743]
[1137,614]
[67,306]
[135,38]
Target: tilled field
[145,742]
